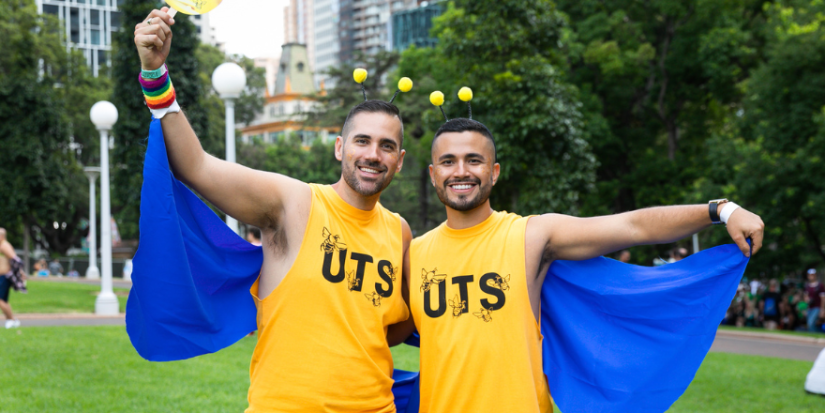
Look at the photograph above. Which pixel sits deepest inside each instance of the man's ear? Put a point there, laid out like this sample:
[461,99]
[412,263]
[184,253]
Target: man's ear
[339,148]
[496,172]
[400,161]
[432,177]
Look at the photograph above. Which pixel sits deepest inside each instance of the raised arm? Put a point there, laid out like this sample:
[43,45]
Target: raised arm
[570,238]
[251,196]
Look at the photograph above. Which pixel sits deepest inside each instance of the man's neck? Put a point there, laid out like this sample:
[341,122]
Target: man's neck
[466,219]
[366,203]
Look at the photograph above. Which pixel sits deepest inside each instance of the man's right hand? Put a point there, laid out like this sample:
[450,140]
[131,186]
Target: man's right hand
[154,40]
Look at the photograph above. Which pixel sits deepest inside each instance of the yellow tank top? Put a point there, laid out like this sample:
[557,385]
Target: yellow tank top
[322,343]
[480,343]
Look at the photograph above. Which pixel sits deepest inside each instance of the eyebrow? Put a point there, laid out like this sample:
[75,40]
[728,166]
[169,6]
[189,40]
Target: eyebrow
[469,155]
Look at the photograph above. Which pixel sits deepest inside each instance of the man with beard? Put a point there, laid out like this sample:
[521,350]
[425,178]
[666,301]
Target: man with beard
[330,288]
[476,303]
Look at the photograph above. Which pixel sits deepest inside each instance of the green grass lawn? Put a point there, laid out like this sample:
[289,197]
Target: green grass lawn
[60,297]
[95,369]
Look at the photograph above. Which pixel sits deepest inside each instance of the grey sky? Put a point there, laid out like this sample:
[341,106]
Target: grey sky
[254,28]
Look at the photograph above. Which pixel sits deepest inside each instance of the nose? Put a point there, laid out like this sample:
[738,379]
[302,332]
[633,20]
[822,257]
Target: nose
[372,153]
[461,169]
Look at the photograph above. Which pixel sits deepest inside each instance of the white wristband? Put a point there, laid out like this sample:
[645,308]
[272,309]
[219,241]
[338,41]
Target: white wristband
[727,210]
[159,113]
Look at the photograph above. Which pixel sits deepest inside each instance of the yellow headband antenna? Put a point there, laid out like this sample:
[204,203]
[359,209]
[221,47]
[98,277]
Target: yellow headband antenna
[466,95]
[405,84]
[360,75]
[437,99]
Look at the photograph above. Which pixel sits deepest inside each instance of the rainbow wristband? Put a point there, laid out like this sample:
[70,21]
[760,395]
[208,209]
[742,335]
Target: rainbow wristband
[159,93]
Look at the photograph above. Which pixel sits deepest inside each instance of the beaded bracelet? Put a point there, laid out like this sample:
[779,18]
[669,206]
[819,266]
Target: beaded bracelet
[159,93]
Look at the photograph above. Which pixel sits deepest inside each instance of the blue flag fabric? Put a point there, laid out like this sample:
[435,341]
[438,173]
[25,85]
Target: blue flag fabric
[624,338]
[617,337]
[192,274]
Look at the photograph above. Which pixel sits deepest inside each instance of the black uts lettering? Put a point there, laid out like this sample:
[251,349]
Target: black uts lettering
[462,282]
[327,270]
[442,300]
[482,283]
[384,267]
[362,260]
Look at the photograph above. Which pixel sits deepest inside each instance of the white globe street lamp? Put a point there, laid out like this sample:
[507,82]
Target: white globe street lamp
[104,116]
[229,79]
[92,273]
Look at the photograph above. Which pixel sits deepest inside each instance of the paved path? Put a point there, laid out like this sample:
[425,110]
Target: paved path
[768,344]
[51,320]
[116,282]
[760,344]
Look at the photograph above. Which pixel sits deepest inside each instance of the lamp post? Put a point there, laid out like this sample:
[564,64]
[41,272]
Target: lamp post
[104,115]
[92,273]
[229,79]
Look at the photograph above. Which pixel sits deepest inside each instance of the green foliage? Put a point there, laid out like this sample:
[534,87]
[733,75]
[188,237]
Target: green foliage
[316,164]
[133,122]
[39,113]
[249,105]
[47,297]
[507,51]
[779,160]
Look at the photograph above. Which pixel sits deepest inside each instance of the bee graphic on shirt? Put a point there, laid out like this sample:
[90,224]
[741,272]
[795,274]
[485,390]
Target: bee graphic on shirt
[392,272]
[375,298]
[502,283]
[352,281]
[429,278]
[457,305]
[485,314]
[331,242]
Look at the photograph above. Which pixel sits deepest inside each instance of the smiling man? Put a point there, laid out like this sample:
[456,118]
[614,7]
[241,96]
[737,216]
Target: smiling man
[476,303]
[330,288]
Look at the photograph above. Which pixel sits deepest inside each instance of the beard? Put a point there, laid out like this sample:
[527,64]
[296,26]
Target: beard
[464,202]
[361,187]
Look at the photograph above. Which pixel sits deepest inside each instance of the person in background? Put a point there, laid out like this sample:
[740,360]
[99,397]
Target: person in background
[253,236]
[624,256]
[7,256]
[55,268]
[816,299]
[41,268]
[769,306]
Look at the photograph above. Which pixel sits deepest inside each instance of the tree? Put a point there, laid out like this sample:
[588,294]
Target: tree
[132,126]
[779,154]
[42,180]
[507,51]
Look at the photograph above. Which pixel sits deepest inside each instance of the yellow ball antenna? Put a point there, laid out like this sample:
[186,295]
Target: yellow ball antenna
[405,84]
[466,95]
[437,99]
[360,75]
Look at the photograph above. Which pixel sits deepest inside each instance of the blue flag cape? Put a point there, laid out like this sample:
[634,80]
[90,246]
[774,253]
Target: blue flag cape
[617,337]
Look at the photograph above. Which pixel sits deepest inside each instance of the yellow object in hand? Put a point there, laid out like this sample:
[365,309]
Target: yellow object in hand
[405,84]
[359,75]
[465,94]
[437,98]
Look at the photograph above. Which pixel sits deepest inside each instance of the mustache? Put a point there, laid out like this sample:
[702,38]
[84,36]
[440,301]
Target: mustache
[462,181]
[376,166]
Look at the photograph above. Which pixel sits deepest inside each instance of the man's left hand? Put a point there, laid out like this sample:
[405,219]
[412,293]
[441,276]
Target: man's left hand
[743,224]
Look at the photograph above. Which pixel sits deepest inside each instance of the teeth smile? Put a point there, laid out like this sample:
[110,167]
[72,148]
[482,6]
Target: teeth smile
[368,170]
[460,187]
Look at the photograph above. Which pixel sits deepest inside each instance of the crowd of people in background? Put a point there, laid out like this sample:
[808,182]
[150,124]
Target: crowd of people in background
[790,305]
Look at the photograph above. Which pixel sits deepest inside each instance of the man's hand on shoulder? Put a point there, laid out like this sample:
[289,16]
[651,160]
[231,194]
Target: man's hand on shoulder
[743,224]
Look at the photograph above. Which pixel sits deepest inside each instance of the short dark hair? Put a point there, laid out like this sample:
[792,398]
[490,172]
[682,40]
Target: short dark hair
[254,231]
[466,125]
[374,106]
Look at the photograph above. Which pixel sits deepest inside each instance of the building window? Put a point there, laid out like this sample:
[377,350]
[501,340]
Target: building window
[49,9]
[300,66]
[95,36]
[94,16]
[115,18]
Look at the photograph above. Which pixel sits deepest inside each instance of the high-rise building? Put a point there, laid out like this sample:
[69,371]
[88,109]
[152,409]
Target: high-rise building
[365,25]
[285,111]
[412,26]
[206,33]
[89,25]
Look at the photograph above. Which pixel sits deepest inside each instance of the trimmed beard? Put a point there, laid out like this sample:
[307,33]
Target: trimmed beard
[464,203]
[355,184]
